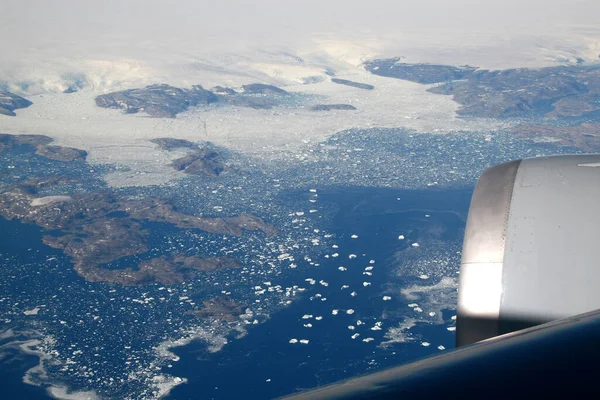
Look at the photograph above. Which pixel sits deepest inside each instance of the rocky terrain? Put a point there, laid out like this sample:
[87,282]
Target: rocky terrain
[525,92]
[42,147]
[585,136]
[260,88]
[173,144]
[157,100]
[165,270]
[563,91]
[203,159]
[420,73]
[96,228]
[61,153]
[332,107]
[9,102]
[8,141]
[223,90]
[358,85]
[221,308]
[257,102]
[166,101]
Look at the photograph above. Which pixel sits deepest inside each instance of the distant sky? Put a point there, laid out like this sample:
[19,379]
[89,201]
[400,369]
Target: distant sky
[495,33]
[29,21]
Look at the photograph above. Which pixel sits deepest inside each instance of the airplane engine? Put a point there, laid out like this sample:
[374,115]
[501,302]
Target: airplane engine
[531,251]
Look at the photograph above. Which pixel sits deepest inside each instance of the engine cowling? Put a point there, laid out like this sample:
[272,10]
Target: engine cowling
[531,252]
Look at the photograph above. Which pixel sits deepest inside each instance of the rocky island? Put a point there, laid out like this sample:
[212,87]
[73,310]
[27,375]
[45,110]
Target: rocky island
[42,147]
[160,100]
[166,101]
[525,92]
[585,136]
[358,85]
[9,102]
[562,91]
[419,73]
[169,144]
[203,159]
[260,88]
[221,308]
[223,90]
[99,227]
[332,107]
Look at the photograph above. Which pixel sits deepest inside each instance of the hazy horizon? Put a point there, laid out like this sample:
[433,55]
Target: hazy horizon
[125,40]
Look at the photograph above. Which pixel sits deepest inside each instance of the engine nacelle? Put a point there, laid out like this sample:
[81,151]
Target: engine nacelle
[531,251]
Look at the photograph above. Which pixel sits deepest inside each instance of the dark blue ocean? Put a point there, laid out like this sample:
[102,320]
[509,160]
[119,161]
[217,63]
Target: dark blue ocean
[264,364]
[25,243]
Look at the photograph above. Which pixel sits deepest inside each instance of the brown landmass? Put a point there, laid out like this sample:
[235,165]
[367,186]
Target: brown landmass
[34,185]
[158,211]
[574,106]
[584,136]
[98,227]
[165,270]
[172,144]
[60,153]
[42,147]
[222,308]
[9,102]
[203,161]
[571,90]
